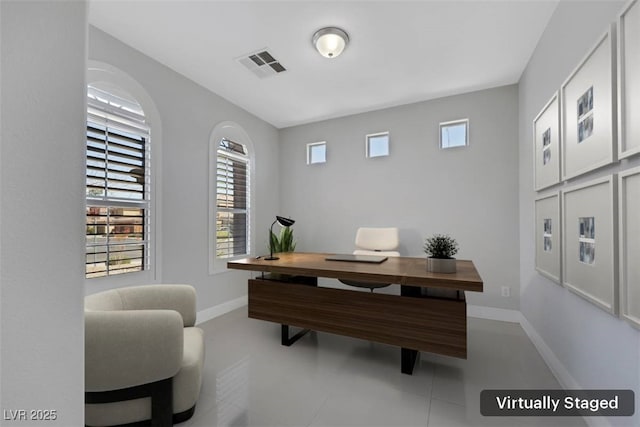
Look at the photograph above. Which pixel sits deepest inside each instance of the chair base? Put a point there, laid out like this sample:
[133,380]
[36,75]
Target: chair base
[369,285]
[161,394]
[177,419]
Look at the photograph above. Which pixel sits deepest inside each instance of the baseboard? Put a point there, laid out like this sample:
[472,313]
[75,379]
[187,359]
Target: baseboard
[559,371]
[220,309]
[492,313]
[557,368]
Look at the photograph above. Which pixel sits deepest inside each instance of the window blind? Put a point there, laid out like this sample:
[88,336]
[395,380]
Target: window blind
[232,200]
[117,185]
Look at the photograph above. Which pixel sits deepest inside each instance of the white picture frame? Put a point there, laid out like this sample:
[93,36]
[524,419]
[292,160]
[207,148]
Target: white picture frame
[589,242]
[588,112]
[629,239]
[548,240]
[546,145]
[629,80]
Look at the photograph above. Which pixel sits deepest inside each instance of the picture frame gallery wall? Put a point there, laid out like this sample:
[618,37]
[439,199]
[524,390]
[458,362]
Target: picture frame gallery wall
[629,213]
[548,237]
[628,81]
[546,137]
[587,232]
[589,242]
[587,113]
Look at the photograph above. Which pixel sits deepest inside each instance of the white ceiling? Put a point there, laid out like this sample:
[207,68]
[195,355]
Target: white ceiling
[400,51]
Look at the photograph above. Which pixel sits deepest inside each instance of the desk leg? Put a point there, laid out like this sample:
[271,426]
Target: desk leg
[284,334]
[408,356]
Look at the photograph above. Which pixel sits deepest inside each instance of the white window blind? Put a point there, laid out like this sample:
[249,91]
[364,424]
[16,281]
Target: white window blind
[232,200]
[117,185]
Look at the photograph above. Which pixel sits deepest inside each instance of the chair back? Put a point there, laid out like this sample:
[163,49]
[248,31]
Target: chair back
[378,239]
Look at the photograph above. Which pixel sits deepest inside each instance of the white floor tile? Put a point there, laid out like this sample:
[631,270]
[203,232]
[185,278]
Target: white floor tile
[447,414]
[329,380]
[346,408]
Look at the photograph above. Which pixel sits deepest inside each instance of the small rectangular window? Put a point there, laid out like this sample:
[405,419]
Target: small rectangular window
[377,144]
[316,153]
[454,134]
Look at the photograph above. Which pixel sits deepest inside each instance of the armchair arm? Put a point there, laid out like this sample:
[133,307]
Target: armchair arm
[129,348]
[181,298]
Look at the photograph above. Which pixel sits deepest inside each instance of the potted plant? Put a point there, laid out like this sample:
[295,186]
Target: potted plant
[441,249]
[282,243]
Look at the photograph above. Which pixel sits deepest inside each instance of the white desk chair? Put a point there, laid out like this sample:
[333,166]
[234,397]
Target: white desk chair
[375,241]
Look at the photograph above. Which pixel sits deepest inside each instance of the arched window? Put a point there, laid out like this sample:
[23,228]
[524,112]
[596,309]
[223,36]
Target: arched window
[118,184]
[232,199]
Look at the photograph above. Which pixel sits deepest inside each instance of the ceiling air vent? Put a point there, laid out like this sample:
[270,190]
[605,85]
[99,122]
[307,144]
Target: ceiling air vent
[262,63]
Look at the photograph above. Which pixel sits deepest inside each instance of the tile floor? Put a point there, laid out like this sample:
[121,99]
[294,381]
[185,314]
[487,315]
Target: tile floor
[328,380]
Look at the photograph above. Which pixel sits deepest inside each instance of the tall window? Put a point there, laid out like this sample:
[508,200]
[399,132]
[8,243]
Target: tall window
[232,200]
[118,184]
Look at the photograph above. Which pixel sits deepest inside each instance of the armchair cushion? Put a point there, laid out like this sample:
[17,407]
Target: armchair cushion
[129,348]
[189,380]
[181,298]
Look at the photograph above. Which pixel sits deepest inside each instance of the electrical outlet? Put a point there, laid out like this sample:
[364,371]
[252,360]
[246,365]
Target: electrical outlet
[506,291]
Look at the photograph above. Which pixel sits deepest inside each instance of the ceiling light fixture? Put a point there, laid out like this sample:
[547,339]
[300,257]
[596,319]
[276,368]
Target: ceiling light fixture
[330,41]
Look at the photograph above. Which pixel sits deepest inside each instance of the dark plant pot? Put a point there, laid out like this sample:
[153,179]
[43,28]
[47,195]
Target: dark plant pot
[441,265]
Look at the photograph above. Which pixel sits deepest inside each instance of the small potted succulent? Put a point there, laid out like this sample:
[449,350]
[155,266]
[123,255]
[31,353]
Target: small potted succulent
[441,249]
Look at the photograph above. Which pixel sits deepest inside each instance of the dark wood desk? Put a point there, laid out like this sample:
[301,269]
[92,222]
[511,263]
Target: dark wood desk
[411,320]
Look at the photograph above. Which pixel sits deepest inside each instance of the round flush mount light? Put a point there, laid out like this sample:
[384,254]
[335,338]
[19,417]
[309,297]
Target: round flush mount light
[330,41]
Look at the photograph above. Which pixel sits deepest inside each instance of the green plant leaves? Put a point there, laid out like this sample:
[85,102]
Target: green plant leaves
[284,242]
[441,246]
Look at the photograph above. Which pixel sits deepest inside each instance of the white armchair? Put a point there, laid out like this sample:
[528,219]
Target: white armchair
[143,356]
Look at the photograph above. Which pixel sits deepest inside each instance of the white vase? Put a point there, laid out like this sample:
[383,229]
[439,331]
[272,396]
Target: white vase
[441,265]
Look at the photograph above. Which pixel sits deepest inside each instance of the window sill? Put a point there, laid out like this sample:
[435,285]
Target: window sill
[219,266]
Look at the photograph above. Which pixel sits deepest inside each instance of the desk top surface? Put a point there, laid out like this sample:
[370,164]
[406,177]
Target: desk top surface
[397,270]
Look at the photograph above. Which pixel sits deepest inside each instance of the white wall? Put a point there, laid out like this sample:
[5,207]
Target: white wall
[590,348]
[469,193]
[43,107]
[189,113]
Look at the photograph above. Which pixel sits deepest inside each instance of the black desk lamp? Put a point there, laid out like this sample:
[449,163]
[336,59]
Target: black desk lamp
[285,222]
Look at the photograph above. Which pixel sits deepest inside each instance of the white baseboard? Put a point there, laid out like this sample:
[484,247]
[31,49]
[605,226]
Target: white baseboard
[492,313]
[220,309]
[558,369]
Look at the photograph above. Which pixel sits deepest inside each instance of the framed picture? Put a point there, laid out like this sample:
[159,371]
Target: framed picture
[629,208]
[548,241]
[546,145]
[629,80]
[589,261]
[587,112]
